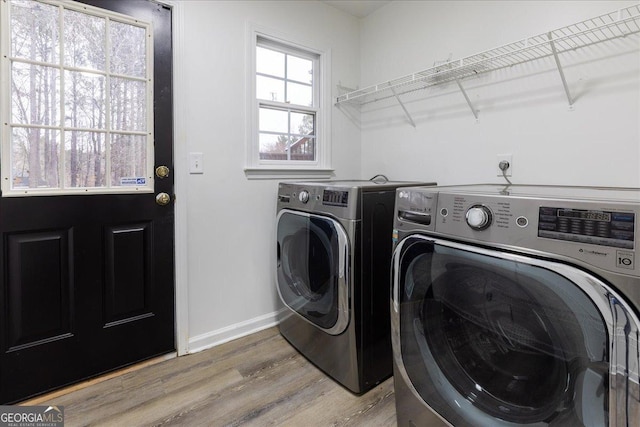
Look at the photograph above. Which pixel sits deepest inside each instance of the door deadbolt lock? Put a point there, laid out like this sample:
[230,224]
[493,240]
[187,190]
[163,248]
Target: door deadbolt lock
[163,199]
[162,171]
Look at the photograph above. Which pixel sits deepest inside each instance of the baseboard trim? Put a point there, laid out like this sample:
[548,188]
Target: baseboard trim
[232,332]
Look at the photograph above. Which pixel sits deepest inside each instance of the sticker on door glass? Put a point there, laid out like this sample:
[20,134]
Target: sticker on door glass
[140,180]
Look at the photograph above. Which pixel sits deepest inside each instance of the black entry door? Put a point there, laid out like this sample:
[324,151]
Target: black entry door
[87,281]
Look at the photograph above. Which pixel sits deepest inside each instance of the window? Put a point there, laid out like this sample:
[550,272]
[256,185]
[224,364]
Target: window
[289,113]
[78,98]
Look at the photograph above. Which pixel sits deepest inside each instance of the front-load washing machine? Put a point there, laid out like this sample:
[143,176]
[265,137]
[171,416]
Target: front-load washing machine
[516,306]
[333,276]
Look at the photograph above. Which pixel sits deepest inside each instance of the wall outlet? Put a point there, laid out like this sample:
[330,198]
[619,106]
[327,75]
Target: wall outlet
[195,163]
[507,158]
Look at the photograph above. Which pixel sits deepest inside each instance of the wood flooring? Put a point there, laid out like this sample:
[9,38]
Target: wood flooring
[258,380]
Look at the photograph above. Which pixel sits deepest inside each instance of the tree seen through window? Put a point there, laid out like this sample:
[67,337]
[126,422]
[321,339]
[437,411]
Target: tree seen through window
[79,98]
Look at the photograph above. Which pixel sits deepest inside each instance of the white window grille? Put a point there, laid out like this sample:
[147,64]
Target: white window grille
[289,108]
[77,100]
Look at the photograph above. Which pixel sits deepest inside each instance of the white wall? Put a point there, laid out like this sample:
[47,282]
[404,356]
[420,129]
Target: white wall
[523,110]
[231,219]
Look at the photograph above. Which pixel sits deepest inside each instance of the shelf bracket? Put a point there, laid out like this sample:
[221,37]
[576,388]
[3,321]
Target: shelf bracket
[466,97]
[344,89]
[348,113]
[559,65]
[403,107]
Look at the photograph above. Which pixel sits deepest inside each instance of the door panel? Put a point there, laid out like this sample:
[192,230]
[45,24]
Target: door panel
[87,281]
[38,298]
[129,274]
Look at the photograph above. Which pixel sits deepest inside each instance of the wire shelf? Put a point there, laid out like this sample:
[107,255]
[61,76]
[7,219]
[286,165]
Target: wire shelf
[620,23]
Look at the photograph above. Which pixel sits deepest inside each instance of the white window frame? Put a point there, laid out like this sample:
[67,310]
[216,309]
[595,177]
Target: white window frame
[6,99]
[270,169]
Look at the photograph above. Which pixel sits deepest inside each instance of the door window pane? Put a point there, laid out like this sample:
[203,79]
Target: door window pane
[80,102]
[34,158]
[128,50]
[128,160]
[34,31]
[84,40]
[84,100]
[85,164]
[128,104]
[35,94]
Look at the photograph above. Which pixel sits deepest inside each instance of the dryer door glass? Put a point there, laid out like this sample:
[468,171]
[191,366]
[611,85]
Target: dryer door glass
[487,340]
[311,269]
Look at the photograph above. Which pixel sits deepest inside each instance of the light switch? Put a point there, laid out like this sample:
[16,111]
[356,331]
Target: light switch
[195,163]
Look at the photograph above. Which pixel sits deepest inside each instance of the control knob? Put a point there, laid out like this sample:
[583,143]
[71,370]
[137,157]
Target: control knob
[478,217]
[303,196]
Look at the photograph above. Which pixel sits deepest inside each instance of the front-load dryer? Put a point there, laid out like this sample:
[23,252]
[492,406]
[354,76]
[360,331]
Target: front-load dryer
[333,276]
[516,306]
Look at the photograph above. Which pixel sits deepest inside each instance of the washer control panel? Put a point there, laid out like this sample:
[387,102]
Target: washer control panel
[477,214]
[601,232]
[597,227]
[340,202]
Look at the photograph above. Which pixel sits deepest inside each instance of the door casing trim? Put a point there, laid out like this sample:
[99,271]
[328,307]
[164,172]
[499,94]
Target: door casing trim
[180,183]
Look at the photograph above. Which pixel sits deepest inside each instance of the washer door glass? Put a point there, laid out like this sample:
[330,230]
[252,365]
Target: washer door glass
[494,341]
[312,270]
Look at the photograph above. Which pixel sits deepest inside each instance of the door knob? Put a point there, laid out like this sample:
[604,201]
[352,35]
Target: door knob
[163,199]
[162,171]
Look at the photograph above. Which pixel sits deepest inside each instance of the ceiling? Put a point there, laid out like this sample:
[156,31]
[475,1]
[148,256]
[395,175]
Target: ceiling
[358,8]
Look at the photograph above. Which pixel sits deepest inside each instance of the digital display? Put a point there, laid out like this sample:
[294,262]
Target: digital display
[592,215]
[616,229]
[335,197]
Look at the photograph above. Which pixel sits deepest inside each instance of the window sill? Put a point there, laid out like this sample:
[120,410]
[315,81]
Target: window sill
[288,173]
